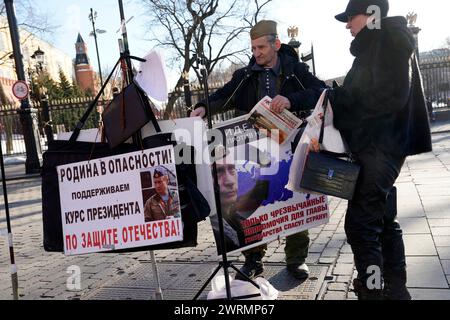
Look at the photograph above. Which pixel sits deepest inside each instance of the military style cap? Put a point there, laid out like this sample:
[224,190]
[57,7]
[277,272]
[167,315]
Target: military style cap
[158,173]
[263,28]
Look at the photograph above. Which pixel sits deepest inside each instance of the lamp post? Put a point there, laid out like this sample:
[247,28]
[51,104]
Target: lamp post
[41,94]
[28,115]
[36,69]
[93,17]
[39,56]
[187,91]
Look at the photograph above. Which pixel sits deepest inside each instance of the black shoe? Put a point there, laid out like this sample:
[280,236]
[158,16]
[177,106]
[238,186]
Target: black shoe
[396,294]
[395,286]
[363,293]
[300,272]
[252,267]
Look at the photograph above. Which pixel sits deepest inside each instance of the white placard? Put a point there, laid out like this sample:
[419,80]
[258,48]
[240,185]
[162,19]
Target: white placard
[104,202]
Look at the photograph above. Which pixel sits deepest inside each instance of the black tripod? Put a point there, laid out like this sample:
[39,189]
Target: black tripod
[127,75]
[14,277]
[225,264]
[124,60]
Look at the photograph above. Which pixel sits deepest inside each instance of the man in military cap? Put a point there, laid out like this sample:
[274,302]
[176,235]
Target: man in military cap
[165,203]
[274,70]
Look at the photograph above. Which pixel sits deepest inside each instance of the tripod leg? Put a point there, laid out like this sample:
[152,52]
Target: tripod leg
[245,276]
[14,277]
[82,121]
[208,281]
[245,296]
[158,294]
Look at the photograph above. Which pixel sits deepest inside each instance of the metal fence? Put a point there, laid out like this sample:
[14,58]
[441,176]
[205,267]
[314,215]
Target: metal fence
[435,69]
[11,131]
[64,116]
[180,110]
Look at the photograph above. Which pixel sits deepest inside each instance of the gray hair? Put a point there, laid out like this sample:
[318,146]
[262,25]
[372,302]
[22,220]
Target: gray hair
[272,38]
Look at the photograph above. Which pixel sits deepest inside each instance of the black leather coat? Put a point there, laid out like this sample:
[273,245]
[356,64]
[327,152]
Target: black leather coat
[380,102]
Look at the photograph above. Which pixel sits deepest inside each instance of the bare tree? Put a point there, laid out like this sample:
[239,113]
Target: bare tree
[28,19]
[221,74]
[202,28]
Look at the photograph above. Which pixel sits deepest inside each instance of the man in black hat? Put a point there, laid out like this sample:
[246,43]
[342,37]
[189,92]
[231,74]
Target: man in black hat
[274,71]
[374,110]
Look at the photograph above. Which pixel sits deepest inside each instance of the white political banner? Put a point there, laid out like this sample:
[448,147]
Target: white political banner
[252,175]
[120,202]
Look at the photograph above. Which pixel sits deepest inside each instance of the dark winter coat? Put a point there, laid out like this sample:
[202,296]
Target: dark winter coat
[295,82]
[380,103]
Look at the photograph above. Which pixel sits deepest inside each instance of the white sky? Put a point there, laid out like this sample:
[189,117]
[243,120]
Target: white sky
[314,18]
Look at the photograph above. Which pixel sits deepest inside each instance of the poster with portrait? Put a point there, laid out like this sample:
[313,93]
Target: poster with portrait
[120,202]
[253,171]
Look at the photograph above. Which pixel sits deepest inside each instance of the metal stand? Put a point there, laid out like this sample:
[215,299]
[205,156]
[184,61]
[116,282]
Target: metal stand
[127,67]
[225,264]
[127,70]
[14,277]
[158,293]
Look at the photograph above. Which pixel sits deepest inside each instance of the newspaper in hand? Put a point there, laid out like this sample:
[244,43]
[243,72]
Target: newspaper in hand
[278,126]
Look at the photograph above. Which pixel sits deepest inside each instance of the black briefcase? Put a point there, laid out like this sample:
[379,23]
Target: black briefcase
[327,173]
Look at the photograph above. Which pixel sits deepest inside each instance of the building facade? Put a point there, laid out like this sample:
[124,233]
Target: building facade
[54,59]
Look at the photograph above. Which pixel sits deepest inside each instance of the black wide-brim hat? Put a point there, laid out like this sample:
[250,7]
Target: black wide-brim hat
[356,7]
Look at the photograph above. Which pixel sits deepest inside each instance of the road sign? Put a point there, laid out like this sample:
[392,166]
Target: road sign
[20,90]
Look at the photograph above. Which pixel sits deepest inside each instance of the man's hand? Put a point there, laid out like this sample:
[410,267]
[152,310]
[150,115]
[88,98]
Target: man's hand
[314,145]
[279,103]
[199,112]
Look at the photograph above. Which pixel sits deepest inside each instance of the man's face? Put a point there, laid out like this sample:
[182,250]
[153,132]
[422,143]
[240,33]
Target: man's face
[356,23]
[265,53]
[161,185]
[226,175]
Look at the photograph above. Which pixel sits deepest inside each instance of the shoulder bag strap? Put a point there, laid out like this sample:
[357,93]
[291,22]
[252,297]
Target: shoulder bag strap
[322,133]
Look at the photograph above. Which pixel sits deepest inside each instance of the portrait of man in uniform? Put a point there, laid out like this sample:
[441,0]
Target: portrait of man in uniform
[165,203]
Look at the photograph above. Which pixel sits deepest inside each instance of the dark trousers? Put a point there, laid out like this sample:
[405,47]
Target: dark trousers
[371,222]
[296,248]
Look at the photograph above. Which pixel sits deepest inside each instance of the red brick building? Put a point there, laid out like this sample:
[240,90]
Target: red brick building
[84,72]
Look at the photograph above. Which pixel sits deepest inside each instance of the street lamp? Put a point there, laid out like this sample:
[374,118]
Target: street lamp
[38,55]
[187,90]
[93,17]
[37,91]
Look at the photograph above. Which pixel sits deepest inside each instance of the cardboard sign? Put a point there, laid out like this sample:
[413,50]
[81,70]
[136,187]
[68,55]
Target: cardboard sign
[120,202]
[253,172]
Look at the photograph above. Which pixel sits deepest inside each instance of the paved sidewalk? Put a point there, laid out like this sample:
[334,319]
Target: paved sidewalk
[424,211]
[424,214]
